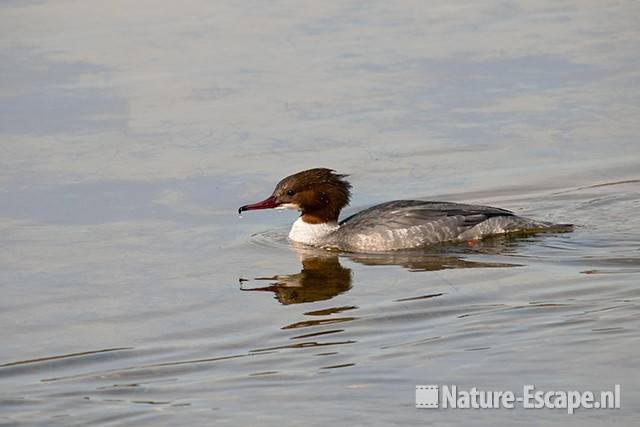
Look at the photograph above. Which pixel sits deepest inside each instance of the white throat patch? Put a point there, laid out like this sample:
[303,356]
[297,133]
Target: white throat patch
[311,234]
[291,206]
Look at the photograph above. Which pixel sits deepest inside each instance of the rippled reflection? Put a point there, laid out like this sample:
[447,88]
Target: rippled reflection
[323,277]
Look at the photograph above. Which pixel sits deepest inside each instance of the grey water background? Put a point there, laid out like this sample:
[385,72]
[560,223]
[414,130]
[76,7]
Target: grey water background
[131,132]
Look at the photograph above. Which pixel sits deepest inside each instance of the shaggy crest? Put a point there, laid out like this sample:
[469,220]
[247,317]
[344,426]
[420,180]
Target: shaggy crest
[320,194]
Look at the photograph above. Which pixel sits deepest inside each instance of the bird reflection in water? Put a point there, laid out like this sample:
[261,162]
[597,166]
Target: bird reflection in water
[323,277]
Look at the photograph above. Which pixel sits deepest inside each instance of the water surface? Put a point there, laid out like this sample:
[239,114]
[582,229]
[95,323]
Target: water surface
[133,293]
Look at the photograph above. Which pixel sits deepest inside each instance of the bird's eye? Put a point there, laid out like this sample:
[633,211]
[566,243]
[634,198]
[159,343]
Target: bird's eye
[290,192]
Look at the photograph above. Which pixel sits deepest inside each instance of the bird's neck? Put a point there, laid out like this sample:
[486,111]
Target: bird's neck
[311,233]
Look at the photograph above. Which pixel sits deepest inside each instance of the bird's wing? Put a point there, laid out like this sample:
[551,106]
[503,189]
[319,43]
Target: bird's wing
[402,214]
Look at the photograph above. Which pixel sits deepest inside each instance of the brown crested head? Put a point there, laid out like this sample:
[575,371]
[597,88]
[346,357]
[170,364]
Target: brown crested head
[320,194]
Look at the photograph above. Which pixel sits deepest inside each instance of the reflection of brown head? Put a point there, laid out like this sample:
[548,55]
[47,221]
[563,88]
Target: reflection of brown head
[321,278]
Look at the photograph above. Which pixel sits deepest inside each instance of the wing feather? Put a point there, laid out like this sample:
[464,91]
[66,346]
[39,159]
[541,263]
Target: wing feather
[400,214]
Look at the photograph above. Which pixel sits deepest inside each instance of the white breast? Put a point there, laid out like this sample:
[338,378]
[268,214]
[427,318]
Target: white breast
[311,234]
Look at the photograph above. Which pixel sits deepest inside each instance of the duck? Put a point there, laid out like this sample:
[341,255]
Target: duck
[320,194]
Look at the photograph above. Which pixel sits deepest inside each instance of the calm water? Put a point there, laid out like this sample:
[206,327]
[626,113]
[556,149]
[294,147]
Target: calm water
[131,292]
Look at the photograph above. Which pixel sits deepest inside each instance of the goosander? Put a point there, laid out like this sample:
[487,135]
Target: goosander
[320,194]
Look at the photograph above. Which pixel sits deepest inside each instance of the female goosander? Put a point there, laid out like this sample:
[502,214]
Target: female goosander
[320,194]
